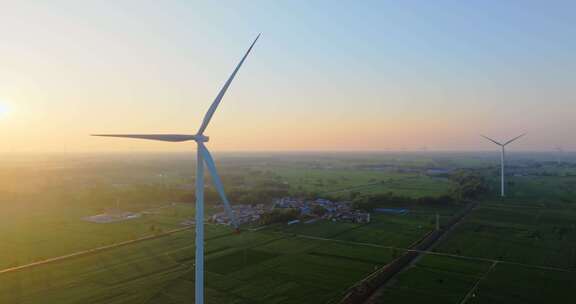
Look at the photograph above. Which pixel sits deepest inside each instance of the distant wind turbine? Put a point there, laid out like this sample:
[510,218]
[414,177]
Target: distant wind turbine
[503,159]
[560,154]
[203,157]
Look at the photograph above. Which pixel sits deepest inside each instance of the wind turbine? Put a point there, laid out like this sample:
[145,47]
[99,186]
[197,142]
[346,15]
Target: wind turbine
[202,157]
[502,159]
[560,154]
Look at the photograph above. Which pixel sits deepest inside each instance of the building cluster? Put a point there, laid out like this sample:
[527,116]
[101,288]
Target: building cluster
[112,216]
[325,209]
[309,210]
[244,214]
[429,171]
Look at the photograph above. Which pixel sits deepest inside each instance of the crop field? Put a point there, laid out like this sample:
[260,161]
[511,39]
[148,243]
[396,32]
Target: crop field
[338,182]
[545,189]
[516,232]
[301,264]
[434,279]
[519,284]
[515,250]
[43,201]
[442,279]
[518,250]
[37,232]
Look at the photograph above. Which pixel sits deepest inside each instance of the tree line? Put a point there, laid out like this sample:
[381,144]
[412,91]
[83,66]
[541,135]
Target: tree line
[468,185]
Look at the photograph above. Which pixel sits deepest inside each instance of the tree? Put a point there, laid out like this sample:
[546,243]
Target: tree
[279,216]
[469,185]
[319,210]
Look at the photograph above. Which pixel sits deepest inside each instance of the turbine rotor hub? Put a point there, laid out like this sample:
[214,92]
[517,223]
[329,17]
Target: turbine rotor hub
[201,138]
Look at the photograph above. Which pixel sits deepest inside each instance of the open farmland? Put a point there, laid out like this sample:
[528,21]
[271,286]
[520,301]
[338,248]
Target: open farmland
[271,265]
[302,263]
[338,182]
[43,201]
[36,232]
[518,232]
[434,279]
[513,250]
[446,279]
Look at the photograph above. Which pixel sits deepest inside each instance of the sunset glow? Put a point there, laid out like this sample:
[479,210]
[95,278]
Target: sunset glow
[358,84]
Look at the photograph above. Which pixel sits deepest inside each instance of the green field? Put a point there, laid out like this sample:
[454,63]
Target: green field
[498,254]
[339,182]
[43,231]
[522,233]
[442,279]
[267,266]
[513,250]
[434,279]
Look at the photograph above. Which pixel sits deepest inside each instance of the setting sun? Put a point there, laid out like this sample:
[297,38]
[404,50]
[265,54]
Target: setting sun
[4,108]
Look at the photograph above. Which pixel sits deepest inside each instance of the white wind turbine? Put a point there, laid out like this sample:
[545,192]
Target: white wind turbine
[560,154]
[502,159]
[203,157]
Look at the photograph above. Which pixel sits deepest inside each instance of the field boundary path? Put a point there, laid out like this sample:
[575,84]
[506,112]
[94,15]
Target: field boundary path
[450,255]
[470,293]
[363,291]
[92,251]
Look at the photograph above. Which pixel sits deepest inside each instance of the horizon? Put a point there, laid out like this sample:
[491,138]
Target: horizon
[273,152]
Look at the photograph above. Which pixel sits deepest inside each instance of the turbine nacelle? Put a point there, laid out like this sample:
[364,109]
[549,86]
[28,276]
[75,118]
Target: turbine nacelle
[201,138]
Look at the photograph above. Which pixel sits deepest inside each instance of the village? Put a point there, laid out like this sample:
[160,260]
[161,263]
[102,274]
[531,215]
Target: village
[308,211]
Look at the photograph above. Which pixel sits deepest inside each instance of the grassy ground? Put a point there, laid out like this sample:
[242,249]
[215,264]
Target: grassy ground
[273,265]
[441,279]
[304,263]
[435,279]
[39,232]
[523,251]
[519,284]
[339,182]
[522,233]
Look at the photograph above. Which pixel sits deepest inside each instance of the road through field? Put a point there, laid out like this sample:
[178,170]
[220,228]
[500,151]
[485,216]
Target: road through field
[456,256]
[92,251]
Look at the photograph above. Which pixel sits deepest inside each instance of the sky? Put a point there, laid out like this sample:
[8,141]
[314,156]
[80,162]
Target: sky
[325,75]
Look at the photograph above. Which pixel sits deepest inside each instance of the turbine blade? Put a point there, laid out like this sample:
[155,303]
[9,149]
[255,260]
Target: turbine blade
[209,161]
[490,139]
[220,95]
[513,139]
[160,137]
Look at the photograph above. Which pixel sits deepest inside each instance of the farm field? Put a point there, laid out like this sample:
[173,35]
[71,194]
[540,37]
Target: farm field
[317,262]
[506,251]
[36,232]
[434,279]
[43,201]
[442,279]
[271,265]
[519,284]
[339,182]
[546,189]
[518,232]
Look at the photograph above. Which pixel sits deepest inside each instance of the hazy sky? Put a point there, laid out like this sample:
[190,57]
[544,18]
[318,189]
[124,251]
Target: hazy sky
[326,75]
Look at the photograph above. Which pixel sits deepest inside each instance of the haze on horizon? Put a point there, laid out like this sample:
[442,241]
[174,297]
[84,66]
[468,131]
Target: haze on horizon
[324,76]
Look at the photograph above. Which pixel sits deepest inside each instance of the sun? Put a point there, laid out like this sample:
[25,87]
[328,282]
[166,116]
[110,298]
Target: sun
[4,108]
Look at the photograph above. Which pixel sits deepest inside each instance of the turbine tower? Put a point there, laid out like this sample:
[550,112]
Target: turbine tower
[559,155]
[203,157]
[502,159]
